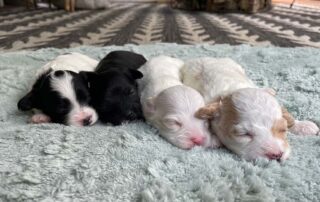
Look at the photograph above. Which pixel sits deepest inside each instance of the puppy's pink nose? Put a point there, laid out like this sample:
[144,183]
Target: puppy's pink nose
[274,156]
[198,140]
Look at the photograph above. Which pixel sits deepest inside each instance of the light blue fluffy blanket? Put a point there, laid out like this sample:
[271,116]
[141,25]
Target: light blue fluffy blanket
[52,162]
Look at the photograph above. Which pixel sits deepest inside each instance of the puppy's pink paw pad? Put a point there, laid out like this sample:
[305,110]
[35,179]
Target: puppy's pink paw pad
[304,128]
[40,118]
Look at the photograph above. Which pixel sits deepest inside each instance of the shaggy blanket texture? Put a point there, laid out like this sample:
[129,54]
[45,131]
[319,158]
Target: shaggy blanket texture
[131,162]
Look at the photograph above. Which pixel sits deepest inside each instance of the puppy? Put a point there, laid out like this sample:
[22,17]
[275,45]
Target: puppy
[170,106]
[113,87]
[60,94]
[248,120]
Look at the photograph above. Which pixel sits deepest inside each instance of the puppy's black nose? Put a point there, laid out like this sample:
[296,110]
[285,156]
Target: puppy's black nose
[86,121]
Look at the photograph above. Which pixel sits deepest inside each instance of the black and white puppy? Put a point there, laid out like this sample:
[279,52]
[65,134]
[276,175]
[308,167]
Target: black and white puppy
[113,87]
[60,94]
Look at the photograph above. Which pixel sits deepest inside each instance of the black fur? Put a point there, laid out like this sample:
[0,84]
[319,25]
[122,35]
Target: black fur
[49,101]
[114,89]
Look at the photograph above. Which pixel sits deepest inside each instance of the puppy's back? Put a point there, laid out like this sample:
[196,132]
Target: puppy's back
[121,60]
[73,61]
[159,73]
[214,77]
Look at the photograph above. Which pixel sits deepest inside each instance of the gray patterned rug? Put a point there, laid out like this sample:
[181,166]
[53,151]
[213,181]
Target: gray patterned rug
[144,23]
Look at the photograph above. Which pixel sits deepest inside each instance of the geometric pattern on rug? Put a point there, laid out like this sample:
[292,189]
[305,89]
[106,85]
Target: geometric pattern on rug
[147,23]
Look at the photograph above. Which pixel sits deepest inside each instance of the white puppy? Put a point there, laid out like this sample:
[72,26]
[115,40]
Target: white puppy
[170,106]
[248,120]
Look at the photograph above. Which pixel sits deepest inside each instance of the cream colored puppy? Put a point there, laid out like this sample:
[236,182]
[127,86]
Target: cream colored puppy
[248,120]
[170,106]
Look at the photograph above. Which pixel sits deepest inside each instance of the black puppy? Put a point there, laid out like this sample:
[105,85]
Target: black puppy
[113,87]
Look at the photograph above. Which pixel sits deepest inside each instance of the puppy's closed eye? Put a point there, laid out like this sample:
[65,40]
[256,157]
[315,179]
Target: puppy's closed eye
[246,137]
[172,123]
[131,115]
[82,95]
[240,133]
[248,134]
[131,92]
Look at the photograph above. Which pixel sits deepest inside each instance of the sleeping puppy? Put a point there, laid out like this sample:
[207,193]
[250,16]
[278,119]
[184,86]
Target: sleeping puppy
[60,94]
[114,89]
[248,120]
[170,106]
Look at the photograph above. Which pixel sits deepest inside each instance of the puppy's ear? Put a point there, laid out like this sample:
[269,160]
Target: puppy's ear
[287,116]
[209,111]
[271,91]
[135,74]
[88,76]
[26,103]
[29,100]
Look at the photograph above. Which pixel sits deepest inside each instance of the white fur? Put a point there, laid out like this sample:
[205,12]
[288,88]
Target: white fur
[75,62]
[257,108]
[170,106]
[304,128]
[64,86]
[215,77]
[159,73]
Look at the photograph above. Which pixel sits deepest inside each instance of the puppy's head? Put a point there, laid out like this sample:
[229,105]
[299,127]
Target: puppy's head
[115,95]
[63,96]
[250,122]
[172,113]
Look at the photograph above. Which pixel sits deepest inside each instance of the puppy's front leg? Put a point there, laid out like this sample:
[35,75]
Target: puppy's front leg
[213,142]
[304,128]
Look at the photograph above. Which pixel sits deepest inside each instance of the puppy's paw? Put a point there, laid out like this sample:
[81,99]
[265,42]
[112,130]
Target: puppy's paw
[40,118]
[213,142]
[271,91]
[304,128]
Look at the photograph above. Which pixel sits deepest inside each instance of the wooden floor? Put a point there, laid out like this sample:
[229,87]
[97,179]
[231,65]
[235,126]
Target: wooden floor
[311,3]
